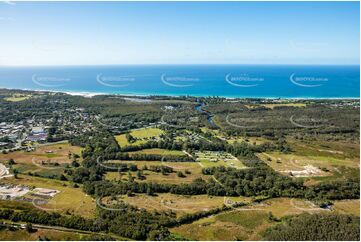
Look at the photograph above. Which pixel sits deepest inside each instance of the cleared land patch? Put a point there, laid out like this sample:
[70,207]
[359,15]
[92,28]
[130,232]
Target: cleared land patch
[273,105]
[213,158]
[347,207]
[68,200]
[235,225]
[179,204]
[46,160]
[156,151]
[249,140]
[54,235]
[304,166]
[56,153]
[246,222]
[191,171]
[332,149]
[141,136]
[17,97]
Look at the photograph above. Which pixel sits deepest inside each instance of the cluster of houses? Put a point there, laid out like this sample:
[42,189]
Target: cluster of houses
[13,135]
[11,131]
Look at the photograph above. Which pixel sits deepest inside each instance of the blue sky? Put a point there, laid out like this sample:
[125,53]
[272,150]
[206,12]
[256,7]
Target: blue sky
[95,33]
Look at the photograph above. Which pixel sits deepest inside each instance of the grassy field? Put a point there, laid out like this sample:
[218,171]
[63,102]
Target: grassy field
[141,135]
[212,159]
[15,205]
[156,151]
[53,152]
[17,97]
[235,225]
[273,105]
[68,200]
[246,219]
[172,178]
[43,159]
[244,223]
[22,235]
[328,166]
[249,140]
[177,203]
[338,150]
[281,207]
[347,207]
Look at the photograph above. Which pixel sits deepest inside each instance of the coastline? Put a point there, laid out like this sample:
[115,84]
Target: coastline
[93,94]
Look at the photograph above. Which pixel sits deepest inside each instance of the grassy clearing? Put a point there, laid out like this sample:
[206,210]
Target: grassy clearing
[347,207]
[172,178]
[58,153]
[337,150]
[53,235]
[212,159]
[328,166]
[235,225]
[15,205]
[177,203]
[46,160]
[281,207]
[338,173]
[244,223]
[141,135]
[17,97]
[246,219]
[156,151]
[210,229]
[69,200]
[273,105]
[249,140]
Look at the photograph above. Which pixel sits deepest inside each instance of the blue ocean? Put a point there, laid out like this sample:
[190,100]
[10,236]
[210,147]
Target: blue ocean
[259,81]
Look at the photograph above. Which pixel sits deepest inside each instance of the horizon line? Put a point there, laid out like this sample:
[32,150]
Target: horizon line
[186,64]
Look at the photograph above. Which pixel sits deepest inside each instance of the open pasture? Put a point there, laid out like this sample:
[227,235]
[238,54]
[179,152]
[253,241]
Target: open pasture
[347,207]
[54,153]
[180,204]
[193,168]
[305,165]
[156,151]
[68,200]
[53,235]
[244,223]
[141,136]
[249,140]
[231,226]
[338,150]
[17,97]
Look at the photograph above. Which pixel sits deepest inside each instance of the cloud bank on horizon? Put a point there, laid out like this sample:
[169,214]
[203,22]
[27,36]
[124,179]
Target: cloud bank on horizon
[100,33]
